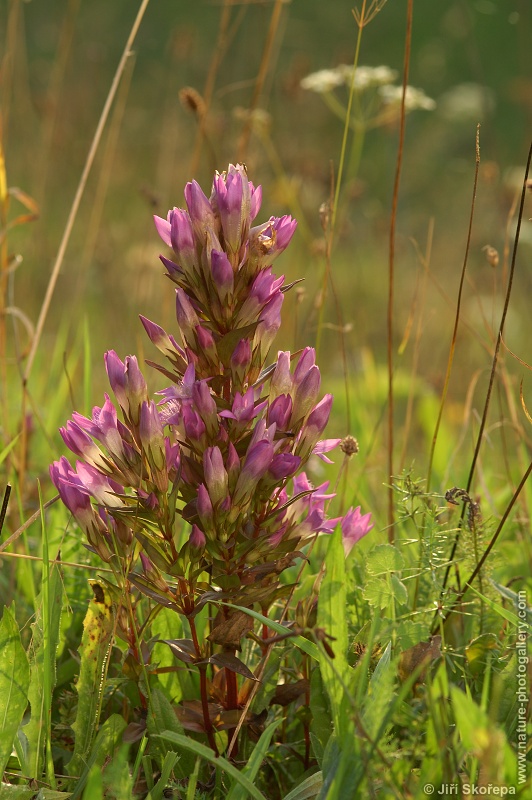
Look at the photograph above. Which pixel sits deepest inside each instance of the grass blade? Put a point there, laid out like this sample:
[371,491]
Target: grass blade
[42,666]
[308,789]
[331,617]
[255,760]
[14,682]
[220,763]
[307,646]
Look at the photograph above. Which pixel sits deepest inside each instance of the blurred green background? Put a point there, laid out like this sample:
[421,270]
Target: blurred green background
[471,57]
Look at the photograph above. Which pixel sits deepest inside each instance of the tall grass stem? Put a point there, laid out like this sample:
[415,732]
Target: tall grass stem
[391,267]
[457,314]
[81,189]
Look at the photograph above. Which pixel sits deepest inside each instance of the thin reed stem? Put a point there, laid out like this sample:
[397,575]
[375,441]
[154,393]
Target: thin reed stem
[217,56]
[457,314]
[337,186]
[391,267]
[261,77]
[348,116]
[14,536]
[480,435]
[81,189]
[480,563]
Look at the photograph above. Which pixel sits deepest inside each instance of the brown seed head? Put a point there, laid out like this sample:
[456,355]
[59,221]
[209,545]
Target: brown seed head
[192,101]
[349,446]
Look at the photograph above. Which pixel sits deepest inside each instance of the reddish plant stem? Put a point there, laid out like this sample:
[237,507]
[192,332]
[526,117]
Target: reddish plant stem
[205,708]
[232,689]
[231,699]
[203,689]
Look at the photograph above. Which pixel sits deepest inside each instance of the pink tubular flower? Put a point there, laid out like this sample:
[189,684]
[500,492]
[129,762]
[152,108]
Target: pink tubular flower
[200,211]
[305,395]
[268,240]
[280,411]
[153,444]
[81,444]
[162,341]
[257,461]
[313,428]
[182,239]
[187,319]
[196,542]
[354,527]
[232,197]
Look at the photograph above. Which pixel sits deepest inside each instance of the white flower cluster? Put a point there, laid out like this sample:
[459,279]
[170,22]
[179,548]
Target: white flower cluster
[414,98]
[382,78]
[325,80]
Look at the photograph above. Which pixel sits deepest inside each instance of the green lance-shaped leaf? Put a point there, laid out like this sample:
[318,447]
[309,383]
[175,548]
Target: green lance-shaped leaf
[14,682]
[332,604]
[161,717]
[12,792]
[95,646]
[43,669]
[250,771]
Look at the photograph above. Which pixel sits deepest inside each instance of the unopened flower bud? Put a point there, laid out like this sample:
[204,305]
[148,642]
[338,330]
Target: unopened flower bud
[196,543]
[153,444]
[200,211]
[206,406]
[222,274]
[256,463]
[187,319]
[215,474]
[306,394]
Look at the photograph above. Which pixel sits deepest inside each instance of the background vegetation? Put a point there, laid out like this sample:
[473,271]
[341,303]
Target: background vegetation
[472,58]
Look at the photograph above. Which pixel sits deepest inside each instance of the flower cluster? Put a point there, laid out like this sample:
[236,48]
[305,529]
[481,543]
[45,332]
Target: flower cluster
[325,80]
[223,447]
[382,98]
